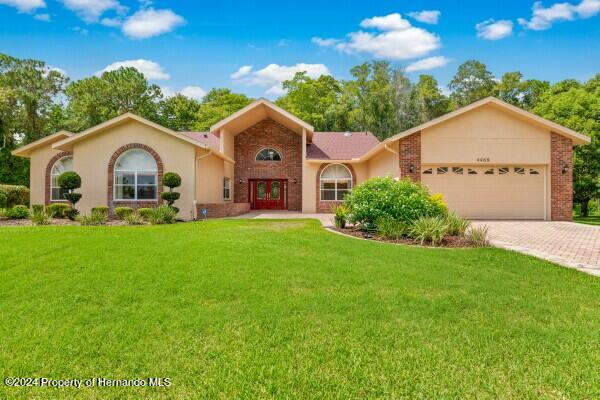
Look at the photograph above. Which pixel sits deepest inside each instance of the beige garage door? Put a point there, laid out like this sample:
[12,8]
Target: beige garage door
[510,192]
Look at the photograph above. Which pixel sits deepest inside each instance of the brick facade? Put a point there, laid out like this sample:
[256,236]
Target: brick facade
[48,180]
[268,133]
[410,156]
[110,179]
[326,206]
[222,210]
[561,184]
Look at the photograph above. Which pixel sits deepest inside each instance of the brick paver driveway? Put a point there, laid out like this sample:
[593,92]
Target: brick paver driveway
[566,243]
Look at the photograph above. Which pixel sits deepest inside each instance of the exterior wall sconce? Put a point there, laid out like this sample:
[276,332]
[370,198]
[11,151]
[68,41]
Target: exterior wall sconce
[411,168]
[241,181]
[565,169]
[295,181]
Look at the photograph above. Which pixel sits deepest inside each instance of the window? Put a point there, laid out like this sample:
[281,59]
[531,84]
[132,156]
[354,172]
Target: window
[472,172]
[268,154]
[520,170]
[136,176]
[533,171]
[503,170]
[64,164]
[336,182]
[226,187]
[428,171]
[457,170]
[489,171]
[442,170]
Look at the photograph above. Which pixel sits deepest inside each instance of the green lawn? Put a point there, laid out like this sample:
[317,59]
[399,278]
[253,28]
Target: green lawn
[592,220]
[284,309]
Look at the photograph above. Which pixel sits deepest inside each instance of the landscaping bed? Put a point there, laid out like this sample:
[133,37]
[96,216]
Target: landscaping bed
[448,241]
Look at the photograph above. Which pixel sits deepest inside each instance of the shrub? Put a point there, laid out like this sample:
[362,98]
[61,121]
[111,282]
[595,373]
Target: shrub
[438,200]
[37,208]
[103,210]
[162,215]
[340,215]
[40,217]
[144,213]
[2,200]
[15,195]
[3,213]
[477,236]
[457,226]
[95,218]
[18,212]
[70,181]
[122,212]
[57,210]
[171,180]
[391,229]
[401,200]
[71,213]
[135,218]
[429,230]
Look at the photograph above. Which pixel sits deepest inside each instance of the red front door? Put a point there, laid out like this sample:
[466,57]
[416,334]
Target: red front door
[268,194]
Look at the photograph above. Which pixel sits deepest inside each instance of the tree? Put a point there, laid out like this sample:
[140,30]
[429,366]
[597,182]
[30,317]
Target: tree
[217,105]
[472,82]
[518,92]
[430,103]
[577,106]
[94,100]
[178,112]
[171,180]
[70,181]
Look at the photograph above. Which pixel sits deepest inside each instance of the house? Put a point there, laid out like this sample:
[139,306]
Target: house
[490,160]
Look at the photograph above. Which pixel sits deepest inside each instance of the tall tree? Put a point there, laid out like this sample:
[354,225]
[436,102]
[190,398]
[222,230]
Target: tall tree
[577,106]
[217,105]
[472,82]
[430,102]
[178,112]
[94,100]
[518,92]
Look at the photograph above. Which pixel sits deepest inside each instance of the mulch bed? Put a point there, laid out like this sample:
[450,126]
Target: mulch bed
[448,242]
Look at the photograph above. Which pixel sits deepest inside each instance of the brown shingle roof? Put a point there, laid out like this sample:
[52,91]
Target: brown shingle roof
[340,145]
[212,141]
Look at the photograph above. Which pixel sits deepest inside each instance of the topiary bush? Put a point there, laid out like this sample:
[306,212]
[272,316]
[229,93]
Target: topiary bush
[14,195]
[388,198]
[18,212]
[171,180]
[57,210]
[70,181]
[122,212]
[71,213]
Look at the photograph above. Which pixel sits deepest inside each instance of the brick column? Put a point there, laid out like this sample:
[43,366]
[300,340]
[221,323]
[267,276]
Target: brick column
[561,184]
[410,155]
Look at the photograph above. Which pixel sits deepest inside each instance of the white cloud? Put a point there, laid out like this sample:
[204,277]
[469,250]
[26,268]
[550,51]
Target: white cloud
[494,30]
[91,10]
[273,75]
[81,30]
[542,18]
[111,22]
[150,69]
[148,23]
[397,39]
[24,6]
[324,42]
[426,16]
[194,92]
[42,17]
[427,63]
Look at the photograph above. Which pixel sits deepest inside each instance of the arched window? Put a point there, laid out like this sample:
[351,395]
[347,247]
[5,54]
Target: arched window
[136,176]
[268,154]
[64,164]
[336,182]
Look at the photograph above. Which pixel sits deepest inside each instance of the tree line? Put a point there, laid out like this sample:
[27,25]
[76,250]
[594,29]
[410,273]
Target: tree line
[36,100]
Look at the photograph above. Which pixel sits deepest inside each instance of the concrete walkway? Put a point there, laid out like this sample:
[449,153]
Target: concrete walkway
[326,219]
[566,243]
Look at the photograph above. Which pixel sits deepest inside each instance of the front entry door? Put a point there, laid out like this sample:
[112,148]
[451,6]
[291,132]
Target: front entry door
[269,194]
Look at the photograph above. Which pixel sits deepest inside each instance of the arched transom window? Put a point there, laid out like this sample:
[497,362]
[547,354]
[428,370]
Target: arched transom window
[268,154]
[136,176]
[336,182]
[64,164]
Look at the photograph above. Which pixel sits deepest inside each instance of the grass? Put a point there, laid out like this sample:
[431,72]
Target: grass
[591,220]
[285,309]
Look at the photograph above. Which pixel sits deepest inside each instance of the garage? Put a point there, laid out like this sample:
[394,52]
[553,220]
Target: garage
[490,192]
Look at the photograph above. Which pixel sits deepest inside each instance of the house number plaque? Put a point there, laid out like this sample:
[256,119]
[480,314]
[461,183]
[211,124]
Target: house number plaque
[483,159]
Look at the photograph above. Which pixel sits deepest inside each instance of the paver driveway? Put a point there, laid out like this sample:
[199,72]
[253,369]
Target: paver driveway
[566,243]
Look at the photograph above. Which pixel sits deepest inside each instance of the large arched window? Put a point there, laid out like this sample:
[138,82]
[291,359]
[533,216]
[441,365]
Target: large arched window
[336,182]
[64,164]
[268,154]
[136,176]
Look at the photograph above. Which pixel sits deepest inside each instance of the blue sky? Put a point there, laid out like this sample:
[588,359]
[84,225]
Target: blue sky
[250,46]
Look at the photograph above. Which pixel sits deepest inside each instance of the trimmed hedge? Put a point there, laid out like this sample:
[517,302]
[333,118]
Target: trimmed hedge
[13,195]
[57,210]
[122,212]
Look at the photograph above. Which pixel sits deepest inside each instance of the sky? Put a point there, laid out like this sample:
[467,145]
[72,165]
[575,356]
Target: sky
[252,46]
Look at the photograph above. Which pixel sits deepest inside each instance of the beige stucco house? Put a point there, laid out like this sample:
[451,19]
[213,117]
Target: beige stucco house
[490,160]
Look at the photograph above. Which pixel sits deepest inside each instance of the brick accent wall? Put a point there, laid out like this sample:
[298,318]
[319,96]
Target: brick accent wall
[326,206]
[221,210]
[410,155]
[268,133]
[561,185]
[48,183]
[111,167]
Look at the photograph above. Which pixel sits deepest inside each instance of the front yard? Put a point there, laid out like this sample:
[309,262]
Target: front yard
[284,309]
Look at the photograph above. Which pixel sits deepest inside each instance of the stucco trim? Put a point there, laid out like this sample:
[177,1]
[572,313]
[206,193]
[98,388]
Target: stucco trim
[25,151]
[48,181]
[111,202]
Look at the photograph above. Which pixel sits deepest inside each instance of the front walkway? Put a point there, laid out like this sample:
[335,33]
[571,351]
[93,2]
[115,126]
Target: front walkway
[565,243]
[326,219]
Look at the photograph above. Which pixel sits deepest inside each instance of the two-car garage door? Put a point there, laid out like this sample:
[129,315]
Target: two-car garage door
[503,192]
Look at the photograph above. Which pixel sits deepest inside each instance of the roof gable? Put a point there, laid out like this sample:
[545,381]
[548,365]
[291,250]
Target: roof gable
[26,150]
